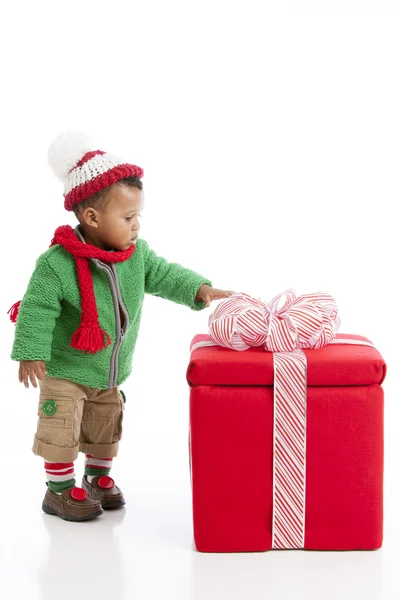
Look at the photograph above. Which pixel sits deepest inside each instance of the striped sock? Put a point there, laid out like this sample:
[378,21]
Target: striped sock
[61,476]
[97,466]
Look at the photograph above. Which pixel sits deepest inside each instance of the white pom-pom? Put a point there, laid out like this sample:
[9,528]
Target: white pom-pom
[66,150]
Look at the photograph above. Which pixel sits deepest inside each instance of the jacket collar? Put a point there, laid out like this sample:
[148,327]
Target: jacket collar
[78,234]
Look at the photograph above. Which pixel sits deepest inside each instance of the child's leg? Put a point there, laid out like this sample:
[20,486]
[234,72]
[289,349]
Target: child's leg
[100,434]
[60,476]
[101,426]
[59,420]
[57,441]
[95,467]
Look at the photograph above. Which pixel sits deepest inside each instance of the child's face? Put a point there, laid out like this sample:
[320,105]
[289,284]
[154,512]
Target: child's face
[117,225]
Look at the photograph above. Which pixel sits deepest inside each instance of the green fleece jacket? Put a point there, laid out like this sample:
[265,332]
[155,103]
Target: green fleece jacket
[50,311]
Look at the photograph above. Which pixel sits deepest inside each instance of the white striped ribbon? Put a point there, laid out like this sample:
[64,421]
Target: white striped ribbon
[289,438]
[309,321]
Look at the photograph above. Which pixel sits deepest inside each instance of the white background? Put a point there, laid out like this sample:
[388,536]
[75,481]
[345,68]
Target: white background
[269,136]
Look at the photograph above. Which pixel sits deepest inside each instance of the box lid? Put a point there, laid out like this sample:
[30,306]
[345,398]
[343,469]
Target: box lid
[333,365]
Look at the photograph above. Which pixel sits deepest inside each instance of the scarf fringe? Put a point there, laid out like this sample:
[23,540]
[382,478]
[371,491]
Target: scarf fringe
[13,311]
[90,338]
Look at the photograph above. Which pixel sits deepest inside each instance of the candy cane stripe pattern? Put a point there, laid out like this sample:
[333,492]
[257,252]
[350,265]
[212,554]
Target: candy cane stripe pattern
[283,326]
[289,450]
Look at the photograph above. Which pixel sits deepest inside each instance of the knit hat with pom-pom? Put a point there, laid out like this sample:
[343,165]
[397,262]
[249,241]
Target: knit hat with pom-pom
[85,171]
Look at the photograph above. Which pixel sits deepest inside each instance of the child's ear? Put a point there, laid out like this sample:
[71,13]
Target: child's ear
[90,217]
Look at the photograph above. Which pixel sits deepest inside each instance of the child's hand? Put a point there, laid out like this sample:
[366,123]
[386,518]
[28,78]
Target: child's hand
[208,294]
[31,369]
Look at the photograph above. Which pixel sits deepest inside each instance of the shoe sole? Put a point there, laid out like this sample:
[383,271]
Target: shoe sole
[50,511]
[113,505]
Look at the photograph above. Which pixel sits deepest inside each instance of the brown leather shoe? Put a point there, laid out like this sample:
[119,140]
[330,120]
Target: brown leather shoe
[104,490]
[72,505]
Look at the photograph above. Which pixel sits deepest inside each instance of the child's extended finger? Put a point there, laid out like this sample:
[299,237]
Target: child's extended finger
[39,372]
[25,378]
[33,378]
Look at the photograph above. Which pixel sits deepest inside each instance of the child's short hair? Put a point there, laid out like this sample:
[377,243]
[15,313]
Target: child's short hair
[100,199]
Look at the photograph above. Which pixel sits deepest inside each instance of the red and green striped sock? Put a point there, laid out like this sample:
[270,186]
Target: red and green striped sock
[94,467]
[61,476]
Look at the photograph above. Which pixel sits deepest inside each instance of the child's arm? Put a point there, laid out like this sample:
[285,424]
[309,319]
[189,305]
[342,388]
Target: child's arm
[171,280]
[39,309]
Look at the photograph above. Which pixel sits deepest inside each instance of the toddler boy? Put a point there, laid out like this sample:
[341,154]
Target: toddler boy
[77,324]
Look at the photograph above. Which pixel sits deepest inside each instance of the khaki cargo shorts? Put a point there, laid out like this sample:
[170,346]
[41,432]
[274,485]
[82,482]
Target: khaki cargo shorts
[75,418]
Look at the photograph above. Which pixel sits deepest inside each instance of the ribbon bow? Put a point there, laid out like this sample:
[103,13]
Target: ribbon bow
[287,322]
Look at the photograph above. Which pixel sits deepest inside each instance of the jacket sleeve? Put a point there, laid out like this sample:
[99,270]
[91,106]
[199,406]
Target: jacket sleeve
[171,280]
[38,311]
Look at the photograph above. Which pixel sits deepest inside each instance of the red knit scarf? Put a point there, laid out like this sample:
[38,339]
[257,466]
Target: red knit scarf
[89,336]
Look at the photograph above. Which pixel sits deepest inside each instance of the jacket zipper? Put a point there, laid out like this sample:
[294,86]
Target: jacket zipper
[120,331]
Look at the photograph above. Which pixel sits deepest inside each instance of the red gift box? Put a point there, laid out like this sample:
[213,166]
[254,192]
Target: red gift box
[232,450]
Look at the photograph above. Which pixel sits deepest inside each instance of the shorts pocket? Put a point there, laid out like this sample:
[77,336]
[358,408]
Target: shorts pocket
[57,419]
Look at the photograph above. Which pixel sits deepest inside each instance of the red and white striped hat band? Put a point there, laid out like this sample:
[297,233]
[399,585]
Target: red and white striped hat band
[95,171]
[283,326]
